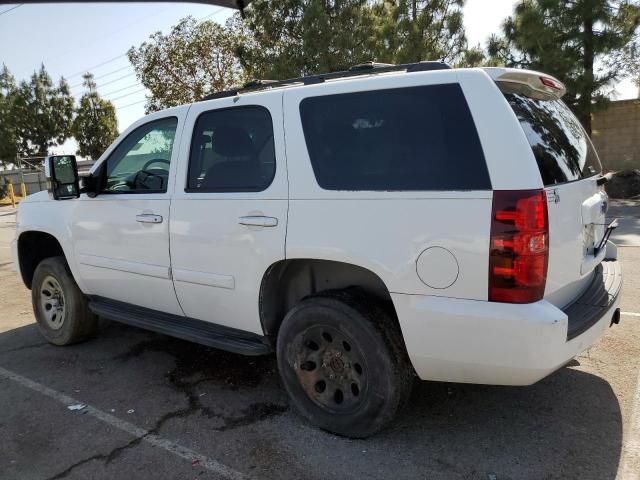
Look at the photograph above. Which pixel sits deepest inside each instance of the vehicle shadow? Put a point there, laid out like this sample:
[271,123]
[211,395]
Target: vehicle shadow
[569,425]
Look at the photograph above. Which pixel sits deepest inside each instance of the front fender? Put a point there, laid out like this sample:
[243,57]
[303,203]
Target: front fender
[51,217]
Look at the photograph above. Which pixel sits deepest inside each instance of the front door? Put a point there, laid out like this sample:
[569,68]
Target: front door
[229,212]
[121,237]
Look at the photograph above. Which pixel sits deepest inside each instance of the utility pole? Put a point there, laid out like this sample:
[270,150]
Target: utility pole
[23,187]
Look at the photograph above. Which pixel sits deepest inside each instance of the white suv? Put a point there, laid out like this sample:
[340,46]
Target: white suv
[365,226]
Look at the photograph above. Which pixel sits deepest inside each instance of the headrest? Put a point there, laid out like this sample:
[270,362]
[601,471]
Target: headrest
[204,139]
[232,142]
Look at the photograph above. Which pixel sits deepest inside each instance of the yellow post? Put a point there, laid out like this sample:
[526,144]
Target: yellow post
[23,190]
[12,196]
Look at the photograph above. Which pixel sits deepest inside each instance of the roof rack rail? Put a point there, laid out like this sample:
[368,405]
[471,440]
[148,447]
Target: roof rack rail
[368,68]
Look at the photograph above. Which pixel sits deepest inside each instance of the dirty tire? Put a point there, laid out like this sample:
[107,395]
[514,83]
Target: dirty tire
[343,363]
[78,323]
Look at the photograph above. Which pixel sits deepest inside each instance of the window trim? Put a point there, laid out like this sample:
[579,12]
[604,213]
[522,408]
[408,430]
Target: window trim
[306,99]
[187,189]
[103,165]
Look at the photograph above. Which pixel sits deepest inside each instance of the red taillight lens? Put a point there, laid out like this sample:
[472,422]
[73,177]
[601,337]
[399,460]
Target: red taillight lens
[519,249]
[551,83]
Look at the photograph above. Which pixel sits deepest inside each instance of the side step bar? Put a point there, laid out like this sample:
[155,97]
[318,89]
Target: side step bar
[197,331]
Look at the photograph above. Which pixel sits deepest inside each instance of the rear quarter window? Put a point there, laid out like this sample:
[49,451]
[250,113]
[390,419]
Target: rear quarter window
[405,139]
[562,148]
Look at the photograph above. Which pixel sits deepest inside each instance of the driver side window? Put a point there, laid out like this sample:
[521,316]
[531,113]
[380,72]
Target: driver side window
[140,163]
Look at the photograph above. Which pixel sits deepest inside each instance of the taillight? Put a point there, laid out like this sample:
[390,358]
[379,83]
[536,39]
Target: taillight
[519,248]
[551,83]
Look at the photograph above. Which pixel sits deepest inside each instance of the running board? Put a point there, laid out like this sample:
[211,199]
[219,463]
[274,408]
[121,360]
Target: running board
[197,331]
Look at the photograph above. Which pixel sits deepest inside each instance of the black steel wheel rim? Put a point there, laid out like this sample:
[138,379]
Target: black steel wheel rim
[331,368]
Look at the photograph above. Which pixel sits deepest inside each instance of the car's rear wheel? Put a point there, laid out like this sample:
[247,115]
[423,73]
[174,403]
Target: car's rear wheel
[343,363]
[61,309]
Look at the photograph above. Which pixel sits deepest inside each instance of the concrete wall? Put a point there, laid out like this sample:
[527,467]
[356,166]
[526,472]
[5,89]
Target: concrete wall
[616,135]
[34,181]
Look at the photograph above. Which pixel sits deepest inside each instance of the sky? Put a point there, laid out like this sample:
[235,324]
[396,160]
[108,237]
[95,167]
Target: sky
[73,38]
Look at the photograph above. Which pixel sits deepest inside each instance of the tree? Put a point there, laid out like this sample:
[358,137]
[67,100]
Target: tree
[288,38]
[41,113]
[8,139]
[193,60]
[95,125]
[587,44]
[427,30]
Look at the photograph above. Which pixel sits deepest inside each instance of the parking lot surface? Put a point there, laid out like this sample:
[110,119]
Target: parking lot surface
[153,407]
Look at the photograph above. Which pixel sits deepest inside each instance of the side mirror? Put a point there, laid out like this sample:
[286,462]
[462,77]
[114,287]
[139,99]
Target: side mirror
[62,175]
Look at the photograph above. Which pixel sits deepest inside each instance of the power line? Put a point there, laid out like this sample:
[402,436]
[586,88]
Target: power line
[112,72]
[117,79]
[114,80]
[82,72]
[102,76]
[131,104]
[11,9]
[126,95]
[121,89]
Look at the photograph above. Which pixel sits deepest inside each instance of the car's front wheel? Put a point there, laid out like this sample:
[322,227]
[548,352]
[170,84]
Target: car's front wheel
[343,363]
[61,309]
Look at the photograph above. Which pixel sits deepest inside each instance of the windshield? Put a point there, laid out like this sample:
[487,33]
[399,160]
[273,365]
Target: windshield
[562,148]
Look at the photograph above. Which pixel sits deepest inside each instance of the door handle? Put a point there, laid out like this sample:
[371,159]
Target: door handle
[258,221]
[148,218]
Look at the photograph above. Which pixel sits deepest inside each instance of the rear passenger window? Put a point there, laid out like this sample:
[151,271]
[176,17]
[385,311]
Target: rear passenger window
[562,148]
[232,150]
[417,138]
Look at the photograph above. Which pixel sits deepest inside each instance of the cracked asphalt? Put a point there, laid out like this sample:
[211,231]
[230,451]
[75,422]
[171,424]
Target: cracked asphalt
[580,422]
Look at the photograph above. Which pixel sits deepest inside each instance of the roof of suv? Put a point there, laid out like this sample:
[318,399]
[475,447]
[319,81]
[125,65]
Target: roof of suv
[369,68]
[535,82]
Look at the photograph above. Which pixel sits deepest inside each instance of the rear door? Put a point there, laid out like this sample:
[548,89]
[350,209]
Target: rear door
[229,210]
[569,167]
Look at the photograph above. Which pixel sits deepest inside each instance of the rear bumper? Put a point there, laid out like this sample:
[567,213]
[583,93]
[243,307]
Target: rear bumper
[599,296]
[469,341]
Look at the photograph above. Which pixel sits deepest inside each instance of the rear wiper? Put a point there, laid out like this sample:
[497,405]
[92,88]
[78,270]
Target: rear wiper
[607,233]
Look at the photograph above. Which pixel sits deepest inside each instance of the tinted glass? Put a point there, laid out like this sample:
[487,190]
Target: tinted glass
[64,167]
[562,148]
[65,175]
[418,138]
[140,164]
[232,150]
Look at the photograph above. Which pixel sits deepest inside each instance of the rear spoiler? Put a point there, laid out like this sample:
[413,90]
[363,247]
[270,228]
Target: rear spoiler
[534,83]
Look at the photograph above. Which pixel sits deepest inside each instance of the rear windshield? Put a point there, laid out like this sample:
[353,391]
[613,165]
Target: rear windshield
[416,138]
[562,148]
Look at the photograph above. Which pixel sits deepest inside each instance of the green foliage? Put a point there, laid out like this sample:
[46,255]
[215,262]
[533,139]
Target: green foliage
[288,38]
[4,186]
[95,125]
[588,44]
[8,139]
[43,113]
[427,30]
[34,115]
[194,59]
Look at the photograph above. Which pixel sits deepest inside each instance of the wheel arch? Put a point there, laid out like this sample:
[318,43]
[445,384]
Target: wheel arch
[33,247]
[286,282]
